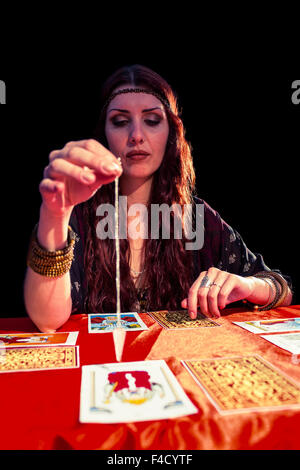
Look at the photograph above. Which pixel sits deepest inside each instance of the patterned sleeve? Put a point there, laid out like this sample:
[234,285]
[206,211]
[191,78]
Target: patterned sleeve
[225,249]
[236,257]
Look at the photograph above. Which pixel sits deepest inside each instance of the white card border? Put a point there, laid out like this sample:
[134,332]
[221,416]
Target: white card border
[137,316]
[71,340]
[242,410]
[256,330]
[46,369]
[86,416]
[272,339]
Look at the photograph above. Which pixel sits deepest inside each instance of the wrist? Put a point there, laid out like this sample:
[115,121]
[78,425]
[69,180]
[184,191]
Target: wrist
[55,217]
[52,233]
[278,291]
[260,292]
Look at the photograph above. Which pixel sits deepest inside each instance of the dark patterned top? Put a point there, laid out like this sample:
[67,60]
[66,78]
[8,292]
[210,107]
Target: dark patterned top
[223,248]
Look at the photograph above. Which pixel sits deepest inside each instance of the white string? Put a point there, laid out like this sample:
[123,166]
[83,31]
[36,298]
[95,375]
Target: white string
[117,241]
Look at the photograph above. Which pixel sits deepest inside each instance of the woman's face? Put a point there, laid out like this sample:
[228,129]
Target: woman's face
[137,131]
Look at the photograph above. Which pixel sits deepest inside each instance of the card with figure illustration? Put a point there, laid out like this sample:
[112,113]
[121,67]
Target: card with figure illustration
[132,391]
[38,339]
[107,322]
[274,325]
[243,384]
[38,358]
[180,319]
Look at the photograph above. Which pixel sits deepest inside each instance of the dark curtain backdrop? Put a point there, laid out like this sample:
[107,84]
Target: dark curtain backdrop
[243,127]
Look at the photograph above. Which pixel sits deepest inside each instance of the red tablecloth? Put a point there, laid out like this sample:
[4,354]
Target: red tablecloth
[40,410]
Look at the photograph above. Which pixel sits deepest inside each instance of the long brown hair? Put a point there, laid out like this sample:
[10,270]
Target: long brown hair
[169,267]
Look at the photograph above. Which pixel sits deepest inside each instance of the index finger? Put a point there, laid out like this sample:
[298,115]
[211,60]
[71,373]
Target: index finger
[90,154]
[192,300]
[91,145]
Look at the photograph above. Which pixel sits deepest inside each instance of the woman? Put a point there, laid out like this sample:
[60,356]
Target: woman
[140,139]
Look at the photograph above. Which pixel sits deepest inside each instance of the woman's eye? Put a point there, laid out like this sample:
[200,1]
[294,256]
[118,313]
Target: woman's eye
[120,122]
[152,122]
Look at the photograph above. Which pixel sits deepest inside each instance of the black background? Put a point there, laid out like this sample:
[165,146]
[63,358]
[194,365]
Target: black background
[241,122]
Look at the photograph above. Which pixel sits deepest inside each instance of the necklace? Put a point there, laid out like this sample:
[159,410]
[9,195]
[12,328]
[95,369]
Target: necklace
[137,273]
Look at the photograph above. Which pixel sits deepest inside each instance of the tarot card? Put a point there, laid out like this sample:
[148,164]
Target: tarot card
[131,391]
[38,358]
[289,341]
[241,384]
[107,322]
[180,319]
[37,339]
[271,326]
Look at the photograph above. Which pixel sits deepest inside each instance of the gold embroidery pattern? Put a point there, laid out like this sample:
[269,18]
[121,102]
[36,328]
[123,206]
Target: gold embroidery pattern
[38,358]
[244,382]
[181,319]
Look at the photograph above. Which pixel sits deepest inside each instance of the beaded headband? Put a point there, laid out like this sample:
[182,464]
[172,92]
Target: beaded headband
[163,100]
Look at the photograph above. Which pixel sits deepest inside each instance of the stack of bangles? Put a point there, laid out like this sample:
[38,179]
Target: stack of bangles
[51,263]
[277,285]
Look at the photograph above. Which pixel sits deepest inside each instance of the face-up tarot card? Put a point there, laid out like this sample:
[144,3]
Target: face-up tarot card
[241,384]
[107,322]
[180,319]
[132,391]
[271,326]
[37,339]
[38,358]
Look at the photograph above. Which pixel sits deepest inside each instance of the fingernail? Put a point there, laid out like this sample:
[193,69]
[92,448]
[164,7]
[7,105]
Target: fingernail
[193,315]
[111,168]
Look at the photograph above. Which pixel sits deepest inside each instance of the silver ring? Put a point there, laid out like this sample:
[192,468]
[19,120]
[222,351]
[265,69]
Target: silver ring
[205,282]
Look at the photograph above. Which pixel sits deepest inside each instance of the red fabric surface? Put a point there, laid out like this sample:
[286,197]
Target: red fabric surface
[40,410]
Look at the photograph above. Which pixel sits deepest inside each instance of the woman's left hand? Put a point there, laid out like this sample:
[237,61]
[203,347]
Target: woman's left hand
[222,289]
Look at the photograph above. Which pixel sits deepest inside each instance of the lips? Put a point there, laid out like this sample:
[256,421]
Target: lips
[135,153]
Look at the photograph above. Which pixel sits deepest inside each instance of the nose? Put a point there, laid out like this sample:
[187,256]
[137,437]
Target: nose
[136,135]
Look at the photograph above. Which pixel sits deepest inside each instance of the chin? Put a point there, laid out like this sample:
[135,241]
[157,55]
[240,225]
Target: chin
[138,173]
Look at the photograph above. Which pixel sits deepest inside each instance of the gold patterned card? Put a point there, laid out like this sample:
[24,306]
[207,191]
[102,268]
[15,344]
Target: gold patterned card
[180,319]
[240,384]
[38,358]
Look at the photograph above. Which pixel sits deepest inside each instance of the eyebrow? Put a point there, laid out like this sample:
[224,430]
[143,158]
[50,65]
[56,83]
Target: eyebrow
[126,111]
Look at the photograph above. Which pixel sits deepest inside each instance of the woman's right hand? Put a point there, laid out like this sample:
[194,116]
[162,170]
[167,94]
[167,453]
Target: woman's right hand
[75,173]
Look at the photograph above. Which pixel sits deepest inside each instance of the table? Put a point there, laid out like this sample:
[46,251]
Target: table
[39,410]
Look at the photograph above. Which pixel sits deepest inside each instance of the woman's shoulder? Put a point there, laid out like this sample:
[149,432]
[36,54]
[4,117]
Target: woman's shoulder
[207,206]
[211,216]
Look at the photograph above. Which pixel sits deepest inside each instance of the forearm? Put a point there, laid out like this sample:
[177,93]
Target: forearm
[48,300]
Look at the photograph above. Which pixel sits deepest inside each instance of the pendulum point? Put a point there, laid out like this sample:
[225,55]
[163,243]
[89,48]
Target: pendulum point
[119,340]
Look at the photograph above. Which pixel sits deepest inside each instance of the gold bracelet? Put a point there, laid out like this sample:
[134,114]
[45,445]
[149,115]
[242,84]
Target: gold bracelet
[274,276]
[50,263]
[272,291]
[279,296]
